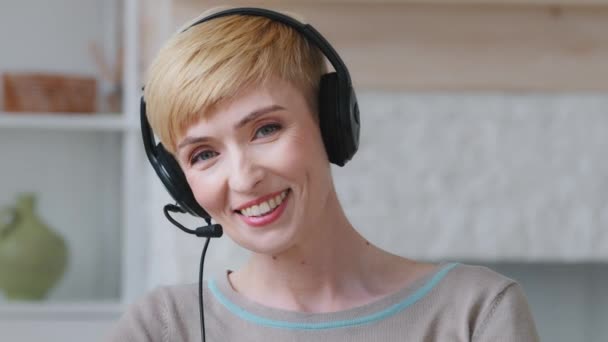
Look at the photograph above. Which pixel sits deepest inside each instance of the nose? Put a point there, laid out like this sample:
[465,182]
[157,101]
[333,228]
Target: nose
[245,173]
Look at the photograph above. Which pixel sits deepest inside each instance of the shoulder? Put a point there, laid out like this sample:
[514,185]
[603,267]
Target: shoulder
[166,298]
[469,289]
[175,302]
[151,316]
[174,293]
[474,281]
[492,303]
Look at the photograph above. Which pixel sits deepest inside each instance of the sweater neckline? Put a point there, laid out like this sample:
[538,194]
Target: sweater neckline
[376,310]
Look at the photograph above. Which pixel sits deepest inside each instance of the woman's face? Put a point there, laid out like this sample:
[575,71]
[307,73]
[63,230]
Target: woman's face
[258,166]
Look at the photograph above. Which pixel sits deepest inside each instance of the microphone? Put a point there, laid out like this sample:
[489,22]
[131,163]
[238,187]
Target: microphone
[208,231]
[212,230]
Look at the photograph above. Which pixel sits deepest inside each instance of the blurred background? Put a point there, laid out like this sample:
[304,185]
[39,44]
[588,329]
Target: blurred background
[484,134]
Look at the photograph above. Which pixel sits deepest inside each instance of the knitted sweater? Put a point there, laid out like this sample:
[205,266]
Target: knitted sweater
[455,302]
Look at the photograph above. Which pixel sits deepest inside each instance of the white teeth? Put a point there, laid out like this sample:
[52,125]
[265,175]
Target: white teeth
[265,207]
[255,210]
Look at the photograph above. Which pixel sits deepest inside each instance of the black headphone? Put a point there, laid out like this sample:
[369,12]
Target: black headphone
[338,114]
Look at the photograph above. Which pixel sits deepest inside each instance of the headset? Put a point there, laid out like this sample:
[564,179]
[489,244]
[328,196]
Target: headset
[338,114]
[338,120]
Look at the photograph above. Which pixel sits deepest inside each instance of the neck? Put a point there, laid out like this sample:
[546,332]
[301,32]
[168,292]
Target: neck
[329,270]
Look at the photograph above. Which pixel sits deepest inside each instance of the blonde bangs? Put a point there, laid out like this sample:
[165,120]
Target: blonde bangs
[213,61]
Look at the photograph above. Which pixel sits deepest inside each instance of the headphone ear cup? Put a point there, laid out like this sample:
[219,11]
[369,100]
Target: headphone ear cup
[172,176]
[353,128]
[328,118]
[338,119]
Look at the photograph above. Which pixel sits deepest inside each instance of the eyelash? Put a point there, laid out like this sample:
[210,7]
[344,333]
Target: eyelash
[275,126]
[196,156]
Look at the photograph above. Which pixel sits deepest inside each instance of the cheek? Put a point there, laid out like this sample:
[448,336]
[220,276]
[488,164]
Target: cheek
[206,191]
[303,157]
[306,143]
[295,155]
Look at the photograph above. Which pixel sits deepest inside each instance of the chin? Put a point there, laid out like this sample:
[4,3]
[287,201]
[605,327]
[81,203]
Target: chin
[269,241]
[269,244]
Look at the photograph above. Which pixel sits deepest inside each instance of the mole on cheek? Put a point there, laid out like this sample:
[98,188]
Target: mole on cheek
[274,257]
[367,243]
[302,262]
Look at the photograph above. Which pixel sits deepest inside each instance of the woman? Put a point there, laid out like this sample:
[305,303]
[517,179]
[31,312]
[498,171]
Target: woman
[240,104]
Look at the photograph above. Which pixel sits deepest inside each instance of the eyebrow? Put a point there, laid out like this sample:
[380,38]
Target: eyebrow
[250,117]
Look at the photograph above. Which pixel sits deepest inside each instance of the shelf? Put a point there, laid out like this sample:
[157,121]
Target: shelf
[58,322]
[65,121]
[85,168]
[60,311]
[78,196]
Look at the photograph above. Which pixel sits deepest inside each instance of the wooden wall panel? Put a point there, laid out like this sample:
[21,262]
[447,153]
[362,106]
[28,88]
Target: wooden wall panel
[406,46]
[456,2]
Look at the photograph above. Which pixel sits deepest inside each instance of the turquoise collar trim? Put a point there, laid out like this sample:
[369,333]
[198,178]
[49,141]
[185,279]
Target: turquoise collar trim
[380,315]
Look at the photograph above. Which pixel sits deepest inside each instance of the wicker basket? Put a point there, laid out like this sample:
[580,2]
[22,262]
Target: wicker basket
[38,92]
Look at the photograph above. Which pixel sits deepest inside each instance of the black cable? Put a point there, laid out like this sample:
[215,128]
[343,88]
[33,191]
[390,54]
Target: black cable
[176,209]
[208,231]
[200,290]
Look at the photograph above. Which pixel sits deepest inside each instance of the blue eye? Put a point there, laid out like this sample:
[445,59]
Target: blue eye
[203,156]
[267,130]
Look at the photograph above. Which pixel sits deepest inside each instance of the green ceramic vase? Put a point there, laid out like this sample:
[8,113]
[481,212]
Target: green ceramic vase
[32,257]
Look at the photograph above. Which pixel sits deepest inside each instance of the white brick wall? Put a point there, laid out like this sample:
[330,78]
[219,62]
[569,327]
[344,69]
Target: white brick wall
[487,177]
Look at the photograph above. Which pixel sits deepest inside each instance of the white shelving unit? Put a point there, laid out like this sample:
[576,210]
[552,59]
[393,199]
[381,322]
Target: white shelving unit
[57,322]
[65,121]
[86,169]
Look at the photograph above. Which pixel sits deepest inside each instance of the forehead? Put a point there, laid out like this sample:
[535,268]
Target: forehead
[229,112]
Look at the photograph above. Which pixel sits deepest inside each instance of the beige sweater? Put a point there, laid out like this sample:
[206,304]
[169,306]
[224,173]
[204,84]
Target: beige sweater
[456,302]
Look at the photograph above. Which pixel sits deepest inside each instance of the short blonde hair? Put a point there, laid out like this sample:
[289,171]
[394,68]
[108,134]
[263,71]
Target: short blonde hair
[214,60]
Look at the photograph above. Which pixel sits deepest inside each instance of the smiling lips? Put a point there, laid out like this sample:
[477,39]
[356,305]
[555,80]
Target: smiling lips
[264,210]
